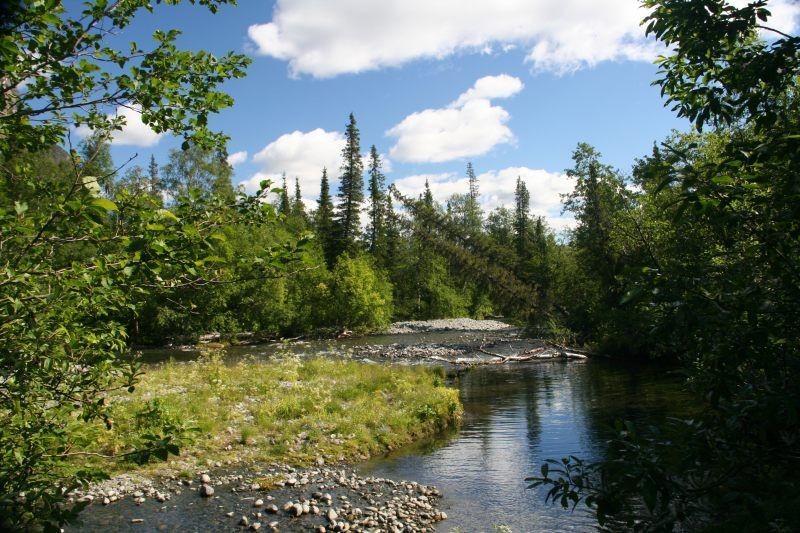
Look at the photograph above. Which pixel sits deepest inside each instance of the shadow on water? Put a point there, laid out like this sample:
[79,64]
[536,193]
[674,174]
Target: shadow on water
[514,418]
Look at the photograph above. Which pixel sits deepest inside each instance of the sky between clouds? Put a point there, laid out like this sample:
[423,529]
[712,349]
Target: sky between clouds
[511,85]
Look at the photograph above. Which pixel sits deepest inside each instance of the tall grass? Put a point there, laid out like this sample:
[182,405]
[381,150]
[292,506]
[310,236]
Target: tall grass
[292,410]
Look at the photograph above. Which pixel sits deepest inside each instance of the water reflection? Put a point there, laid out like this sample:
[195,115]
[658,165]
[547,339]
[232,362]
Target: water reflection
[514,418]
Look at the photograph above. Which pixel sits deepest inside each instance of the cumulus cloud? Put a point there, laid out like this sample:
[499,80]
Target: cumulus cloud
[303,155]
[489,87]
[133,133]
[237,158]
[332,37]
[469,126]
[497,187]
[300,155]
[329,38]
[785,16]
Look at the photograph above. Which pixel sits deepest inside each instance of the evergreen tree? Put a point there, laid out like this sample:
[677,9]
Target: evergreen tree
[351,190]
[284,206]
[522,200]
[393,236]
[377,207]
[298,208]
[153,175]
[324,221]
[473,216]
[427,196]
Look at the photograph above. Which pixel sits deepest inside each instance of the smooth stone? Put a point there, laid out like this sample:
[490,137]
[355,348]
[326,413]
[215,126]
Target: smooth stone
[205,478]
[258,503]
[206,490]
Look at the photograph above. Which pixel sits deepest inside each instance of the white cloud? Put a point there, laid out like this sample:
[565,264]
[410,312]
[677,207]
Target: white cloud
[237,158]
[469,126]
[303,155]
[300,155]
[333,37]
[133,133]
[785,16]
[497,187]
[489,87]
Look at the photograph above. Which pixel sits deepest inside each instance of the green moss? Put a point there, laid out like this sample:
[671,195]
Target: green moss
[293,410]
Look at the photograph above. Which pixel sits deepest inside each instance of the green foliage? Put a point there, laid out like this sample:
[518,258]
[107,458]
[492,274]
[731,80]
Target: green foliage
[324,221]
[63,61]
[77,264]
[709,253]
[351,191]
[361,296]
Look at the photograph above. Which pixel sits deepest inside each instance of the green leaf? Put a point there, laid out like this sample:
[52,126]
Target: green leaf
[105,204]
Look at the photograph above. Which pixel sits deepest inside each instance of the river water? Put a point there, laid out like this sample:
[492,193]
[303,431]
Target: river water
[515,416]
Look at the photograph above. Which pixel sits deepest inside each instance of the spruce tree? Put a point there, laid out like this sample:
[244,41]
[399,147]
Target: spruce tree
[284,207]
[473,215]
[298,208]
[351,190]
[377,205]
[393,236]
[153,175]
[522,200]
[427,196]
[324,221]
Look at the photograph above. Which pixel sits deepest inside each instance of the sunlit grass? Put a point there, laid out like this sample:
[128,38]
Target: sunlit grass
[292,410]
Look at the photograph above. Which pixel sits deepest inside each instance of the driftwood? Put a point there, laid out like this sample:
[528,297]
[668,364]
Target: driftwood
[543,353]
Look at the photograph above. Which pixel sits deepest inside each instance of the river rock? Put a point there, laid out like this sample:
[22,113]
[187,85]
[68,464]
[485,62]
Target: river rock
[205,478]
[206,491]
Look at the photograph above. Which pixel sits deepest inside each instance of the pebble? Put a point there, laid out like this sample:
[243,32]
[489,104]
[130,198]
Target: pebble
[206,490]
[258,503]
[205,478]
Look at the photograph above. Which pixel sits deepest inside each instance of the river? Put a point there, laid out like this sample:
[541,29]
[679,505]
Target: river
[515,416]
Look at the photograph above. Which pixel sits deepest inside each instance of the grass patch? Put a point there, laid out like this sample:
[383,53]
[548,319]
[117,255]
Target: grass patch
[292,411]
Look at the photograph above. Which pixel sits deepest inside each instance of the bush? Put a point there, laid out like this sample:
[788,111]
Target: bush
[361,295]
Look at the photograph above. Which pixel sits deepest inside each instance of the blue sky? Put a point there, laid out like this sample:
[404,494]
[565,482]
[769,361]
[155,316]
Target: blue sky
[510,85]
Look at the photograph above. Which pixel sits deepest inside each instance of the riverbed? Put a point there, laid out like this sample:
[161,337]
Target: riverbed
[515,416]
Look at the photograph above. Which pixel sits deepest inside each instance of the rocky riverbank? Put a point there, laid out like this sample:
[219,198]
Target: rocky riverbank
[447,324]
[273,498]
